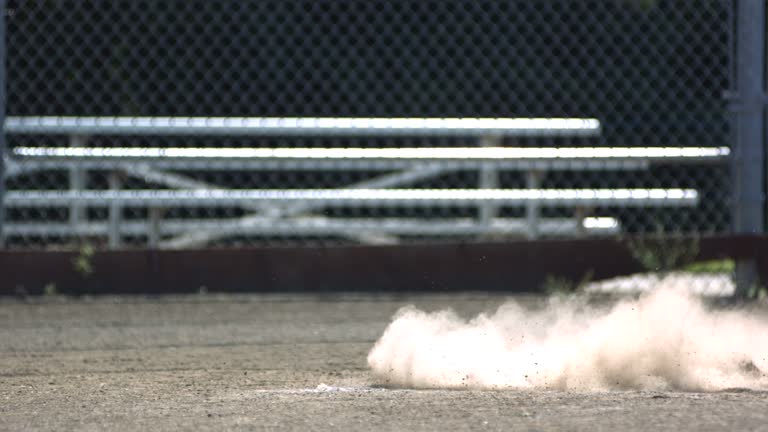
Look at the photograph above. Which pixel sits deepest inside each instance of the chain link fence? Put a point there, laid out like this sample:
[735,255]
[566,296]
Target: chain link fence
[651,73]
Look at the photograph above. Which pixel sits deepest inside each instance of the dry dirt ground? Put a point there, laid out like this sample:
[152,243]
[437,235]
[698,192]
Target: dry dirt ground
[225,362]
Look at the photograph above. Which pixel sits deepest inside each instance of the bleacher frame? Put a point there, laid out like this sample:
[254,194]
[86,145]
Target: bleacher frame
[289,212]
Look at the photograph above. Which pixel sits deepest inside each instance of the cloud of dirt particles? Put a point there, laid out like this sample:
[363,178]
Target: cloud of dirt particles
[665,340]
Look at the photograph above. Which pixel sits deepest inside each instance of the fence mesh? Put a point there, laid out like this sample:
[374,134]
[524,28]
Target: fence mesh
[652,71]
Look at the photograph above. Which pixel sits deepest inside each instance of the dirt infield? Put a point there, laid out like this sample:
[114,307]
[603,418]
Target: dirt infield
[264,362]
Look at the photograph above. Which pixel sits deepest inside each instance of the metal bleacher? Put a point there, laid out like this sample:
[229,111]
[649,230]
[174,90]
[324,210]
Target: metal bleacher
[294,211]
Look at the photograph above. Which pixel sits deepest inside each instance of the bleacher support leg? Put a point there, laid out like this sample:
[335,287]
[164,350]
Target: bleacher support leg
[115,211]
[77,183]
[532,208]
[489,179]
[153,238]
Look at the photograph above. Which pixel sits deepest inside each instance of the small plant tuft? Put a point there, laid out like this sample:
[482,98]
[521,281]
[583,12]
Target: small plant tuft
[712,266]
[83,262]
[664,252]
[558,285]
[50,289]
[757,292]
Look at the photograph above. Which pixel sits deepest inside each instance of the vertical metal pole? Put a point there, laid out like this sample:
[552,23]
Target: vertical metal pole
[533,182]
[748,169]
[489,179]
[2,120]
[115,211]
[153,235]
[77,183]
[581,214]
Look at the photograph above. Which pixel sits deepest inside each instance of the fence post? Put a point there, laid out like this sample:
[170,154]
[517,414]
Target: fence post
[747,163]
[3,17]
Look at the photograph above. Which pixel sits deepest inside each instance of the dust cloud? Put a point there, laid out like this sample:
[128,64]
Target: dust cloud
[667,339]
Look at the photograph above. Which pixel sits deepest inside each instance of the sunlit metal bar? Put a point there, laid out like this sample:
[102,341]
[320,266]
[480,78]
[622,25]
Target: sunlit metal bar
[27,165]
[302,126]
[340,154]
[357,197]
[324,226]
